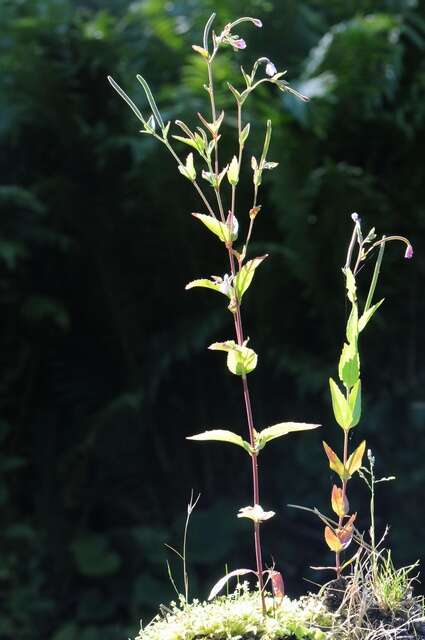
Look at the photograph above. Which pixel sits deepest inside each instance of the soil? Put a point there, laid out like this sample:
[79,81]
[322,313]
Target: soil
[334,594]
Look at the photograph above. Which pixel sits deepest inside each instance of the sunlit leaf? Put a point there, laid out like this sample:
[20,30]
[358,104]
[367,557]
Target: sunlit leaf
[364,319]
[220,229]
[240,359]
[341,408]
[221,583]
[332,540]
[281,429]
[339,501]
[349,364]
[355,402]
[350,283]
[334,462]
[353,325]
[354,462]
[206,284]
[246,274]
[221,435]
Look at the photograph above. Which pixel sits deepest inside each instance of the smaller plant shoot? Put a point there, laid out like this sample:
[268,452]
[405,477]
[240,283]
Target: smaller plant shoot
[347,401]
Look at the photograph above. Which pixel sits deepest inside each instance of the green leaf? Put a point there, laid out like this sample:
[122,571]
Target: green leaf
[220,229]
[349,364]
[350,283]
[189,141]
[364,319]
[188,170]
[233,172]
[353,325]
[281,429]
[206,284]
[240,359]
[244,134]
[355,402]
[221,435]
[246,274]
[341,409]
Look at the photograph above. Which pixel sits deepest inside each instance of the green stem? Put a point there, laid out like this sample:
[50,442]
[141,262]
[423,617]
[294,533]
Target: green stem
[375,275]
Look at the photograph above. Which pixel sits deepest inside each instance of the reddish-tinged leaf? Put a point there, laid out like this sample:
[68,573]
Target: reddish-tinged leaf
[339,502]
[334,462]
[354,462]
[345,534]
[332,540]
[220,584]
[277,585]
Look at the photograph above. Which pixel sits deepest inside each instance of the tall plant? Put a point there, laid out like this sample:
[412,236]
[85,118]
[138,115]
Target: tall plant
[347,402]
[222,219]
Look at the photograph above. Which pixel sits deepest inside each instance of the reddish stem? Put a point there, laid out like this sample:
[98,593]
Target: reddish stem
[344,493]
[254,456]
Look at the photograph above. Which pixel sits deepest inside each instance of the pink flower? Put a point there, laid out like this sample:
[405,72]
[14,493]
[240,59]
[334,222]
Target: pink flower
[238,43]
[409,252]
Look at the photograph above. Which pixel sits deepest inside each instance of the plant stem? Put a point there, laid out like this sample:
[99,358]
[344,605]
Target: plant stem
[344,493]
[375,276]
[240,338]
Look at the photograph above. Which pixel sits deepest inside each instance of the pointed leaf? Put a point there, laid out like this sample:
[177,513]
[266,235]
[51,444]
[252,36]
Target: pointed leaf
[332,540]
[354,462]
[349,364]
[233,172]
[345,533]
[220,584]
[203,52]
[282,429]
[244,134]
[246,274]
[353,325]
[355,402]
[221,435]
[339,501]
[219,228]
[341,409]
[189,141]
[334,462]
[350,283]
[205,283]
[364,319]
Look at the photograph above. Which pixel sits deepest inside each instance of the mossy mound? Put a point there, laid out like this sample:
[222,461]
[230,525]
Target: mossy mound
[238,616]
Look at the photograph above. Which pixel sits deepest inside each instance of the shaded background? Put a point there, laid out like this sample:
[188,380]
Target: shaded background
[104,362]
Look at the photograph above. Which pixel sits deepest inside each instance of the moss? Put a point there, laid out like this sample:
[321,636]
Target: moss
[238,617]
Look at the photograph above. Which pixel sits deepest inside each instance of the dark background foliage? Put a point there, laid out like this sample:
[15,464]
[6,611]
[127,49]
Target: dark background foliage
[104,362]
